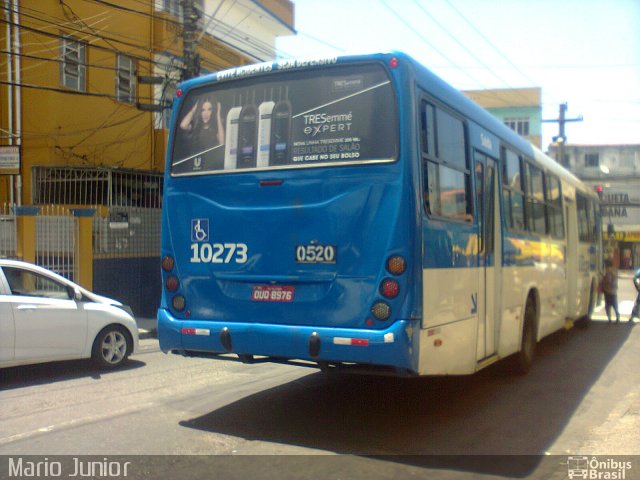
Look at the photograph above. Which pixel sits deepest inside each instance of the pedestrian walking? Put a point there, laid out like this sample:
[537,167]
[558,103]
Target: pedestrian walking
[609,284]
[635,311]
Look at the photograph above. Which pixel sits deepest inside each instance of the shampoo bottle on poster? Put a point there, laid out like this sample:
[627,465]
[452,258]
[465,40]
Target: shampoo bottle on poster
[265,112]
[248,135]
[231,139]
[281,131]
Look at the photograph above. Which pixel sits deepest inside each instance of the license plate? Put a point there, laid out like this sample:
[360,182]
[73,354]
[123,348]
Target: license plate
[272,293]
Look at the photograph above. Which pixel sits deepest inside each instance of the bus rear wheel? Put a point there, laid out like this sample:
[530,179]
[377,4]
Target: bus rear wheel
[523,360]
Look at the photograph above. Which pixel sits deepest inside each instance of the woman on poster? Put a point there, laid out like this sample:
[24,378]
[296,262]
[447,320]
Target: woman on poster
[204,134]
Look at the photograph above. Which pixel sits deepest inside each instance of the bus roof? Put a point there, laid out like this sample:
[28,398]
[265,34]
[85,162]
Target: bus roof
[437,87]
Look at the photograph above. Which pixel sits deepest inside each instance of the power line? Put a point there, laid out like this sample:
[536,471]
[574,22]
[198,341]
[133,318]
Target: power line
[90,27]
[77,30]
[464,47]
[133,10]
[61,23]
[426,41]
[490,43]
[55,60]
[98,47]
[241,40]
[70,92]
[70,133]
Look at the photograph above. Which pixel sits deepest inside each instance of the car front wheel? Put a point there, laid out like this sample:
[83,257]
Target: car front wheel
[111,347]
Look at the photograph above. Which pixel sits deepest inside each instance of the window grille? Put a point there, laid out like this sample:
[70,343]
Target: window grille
[88,186]
[125,79]
[73,64]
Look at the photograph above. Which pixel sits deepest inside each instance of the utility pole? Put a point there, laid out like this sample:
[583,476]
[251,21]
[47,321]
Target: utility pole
[561,138]
[189,29]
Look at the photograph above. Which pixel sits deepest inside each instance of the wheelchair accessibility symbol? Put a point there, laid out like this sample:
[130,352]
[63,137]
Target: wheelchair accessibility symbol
[199,229]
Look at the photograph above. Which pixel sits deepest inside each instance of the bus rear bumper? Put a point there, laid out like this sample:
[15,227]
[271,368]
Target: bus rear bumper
[395,347]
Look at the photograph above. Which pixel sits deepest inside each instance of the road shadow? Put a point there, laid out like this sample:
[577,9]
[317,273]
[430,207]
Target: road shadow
[433,422]
[45,373]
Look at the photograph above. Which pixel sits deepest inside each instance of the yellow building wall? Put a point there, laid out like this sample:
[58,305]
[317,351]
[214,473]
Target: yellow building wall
[4,105]
[63,127]
[82,129]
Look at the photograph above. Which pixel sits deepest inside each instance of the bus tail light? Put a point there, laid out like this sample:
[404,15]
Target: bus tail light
[396,265]
[381,311]
[178,302]
[389,288]
[172,283]
[168,263]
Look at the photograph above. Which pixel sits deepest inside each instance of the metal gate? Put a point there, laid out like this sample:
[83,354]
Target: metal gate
[56,230]
[8,232]
[56,233]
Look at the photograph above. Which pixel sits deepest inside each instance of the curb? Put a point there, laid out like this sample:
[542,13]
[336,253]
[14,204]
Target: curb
[145,334]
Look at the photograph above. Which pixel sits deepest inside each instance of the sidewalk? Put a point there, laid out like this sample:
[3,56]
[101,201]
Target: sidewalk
[626,298]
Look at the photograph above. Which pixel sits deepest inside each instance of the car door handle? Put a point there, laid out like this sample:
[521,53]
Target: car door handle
[27,307]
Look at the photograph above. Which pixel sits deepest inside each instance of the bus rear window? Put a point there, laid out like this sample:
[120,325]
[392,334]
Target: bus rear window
[336,115]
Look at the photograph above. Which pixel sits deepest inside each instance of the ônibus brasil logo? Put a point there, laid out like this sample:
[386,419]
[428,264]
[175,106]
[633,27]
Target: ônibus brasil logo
[595,468]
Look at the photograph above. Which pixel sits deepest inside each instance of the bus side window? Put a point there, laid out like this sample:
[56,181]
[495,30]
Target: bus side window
[446,175]
[427,115]
[512,191]
[554,206]
[534,192]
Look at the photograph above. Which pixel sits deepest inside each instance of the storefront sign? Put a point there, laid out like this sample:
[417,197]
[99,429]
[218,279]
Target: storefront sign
[621,205]
[623,236]
[9,160]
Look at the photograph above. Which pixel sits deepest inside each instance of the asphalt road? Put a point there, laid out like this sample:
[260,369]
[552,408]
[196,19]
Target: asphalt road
[274,421]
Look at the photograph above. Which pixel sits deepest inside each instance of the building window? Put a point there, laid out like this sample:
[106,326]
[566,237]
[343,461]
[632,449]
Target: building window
[172,7]
[73,64]
[125,79]
[591,160]
[520,125]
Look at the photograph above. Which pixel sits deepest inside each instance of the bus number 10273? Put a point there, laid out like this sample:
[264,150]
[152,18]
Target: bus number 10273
[218,253]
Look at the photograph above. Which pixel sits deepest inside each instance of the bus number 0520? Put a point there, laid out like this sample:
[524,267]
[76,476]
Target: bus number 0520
[316,254]
[218,253]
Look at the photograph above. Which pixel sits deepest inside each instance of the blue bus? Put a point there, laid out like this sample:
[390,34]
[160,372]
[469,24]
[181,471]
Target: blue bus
[359,214]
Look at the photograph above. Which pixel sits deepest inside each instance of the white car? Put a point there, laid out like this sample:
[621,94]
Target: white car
[45,317]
